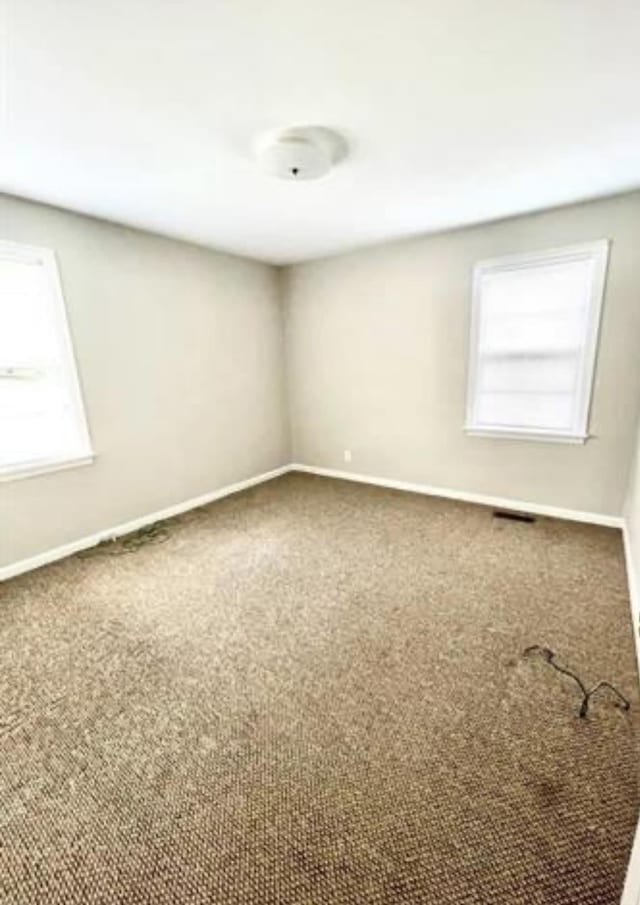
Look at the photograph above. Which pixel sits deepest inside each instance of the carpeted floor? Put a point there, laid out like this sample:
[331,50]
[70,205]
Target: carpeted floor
[313,693]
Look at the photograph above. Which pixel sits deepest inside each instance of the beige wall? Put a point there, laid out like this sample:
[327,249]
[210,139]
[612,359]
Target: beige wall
[180,353]
[181,359]
[632,515]
[377,361]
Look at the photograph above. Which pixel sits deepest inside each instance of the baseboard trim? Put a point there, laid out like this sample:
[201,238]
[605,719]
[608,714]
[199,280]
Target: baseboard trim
[633,580]
[49,556]
[574,515]
[631,893]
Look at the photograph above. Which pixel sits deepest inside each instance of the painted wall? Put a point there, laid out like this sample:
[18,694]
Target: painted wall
[377,363]
[632,515]
[181,359]
[180,354]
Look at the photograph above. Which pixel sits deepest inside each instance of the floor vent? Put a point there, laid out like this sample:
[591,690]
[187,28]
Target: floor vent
[514,516]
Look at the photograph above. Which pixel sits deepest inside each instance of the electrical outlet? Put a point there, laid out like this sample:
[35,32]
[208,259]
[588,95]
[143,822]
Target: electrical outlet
[347,455]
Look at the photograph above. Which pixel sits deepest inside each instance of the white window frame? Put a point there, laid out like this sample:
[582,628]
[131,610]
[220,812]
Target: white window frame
[597,252]
[46,258]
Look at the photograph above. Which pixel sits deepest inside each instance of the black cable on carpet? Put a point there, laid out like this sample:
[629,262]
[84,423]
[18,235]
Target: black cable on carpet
[149,535]
[587,694]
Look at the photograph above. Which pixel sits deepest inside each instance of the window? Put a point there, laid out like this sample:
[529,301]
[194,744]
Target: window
[42,421]
[534,333]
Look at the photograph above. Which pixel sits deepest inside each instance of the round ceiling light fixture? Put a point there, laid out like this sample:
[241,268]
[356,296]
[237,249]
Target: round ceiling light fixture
[300,154]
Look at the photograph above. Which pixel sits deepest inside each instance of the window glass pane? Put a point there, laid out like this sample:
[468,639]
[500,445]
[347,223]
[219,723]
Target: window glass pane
[28,333]
[41,417]
[533,360]
[33,439]
[528,374]
[541,308]
[545,411]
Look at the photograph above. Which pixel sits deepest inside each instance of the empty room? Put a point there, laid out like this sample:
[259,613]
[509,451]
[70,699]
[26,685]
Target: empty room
[319,452]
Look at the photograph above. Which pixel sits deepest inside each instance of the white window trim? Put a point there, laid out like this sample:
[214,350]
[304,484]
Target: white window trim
[45,257]
[596,251]
[43,466]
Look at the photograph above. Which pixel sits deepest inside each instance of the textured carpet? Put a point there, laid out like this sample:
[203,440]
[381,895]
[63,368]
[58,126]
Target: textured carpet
[313,692]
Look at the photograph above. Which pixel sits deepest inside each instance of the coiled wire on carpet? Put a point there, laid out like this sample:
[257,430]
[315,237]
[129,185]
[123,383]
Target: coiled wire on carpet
[155,533]
[587,694]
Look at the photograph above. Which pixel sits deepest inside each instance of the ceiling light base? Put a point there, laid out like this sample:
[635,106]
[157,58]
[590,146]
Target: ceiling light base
[300,154]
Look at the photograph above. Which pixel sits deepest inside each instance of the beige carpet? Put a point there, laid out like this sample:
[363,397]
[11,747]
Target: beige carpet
[313,692]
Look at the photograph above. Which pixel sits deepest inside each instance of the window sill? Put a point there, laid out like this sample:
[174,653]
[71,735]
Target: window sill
[536,436]
[33,469]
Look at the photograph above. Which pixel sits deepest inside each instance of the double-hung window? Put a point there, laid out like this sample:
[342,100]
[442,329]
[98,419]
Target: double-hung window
[534,335]
[42,420]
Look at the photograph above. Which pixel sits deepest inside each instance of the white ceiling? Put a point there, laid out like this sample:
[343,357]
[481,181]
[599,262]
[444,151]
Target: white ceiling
[456,111]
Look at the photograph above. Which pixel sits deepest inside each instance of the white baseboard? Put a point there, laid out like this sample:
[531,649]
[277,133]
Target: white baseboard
[634,589]
[631,893]
[574,515]
[49,556]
